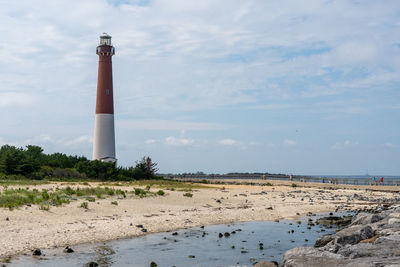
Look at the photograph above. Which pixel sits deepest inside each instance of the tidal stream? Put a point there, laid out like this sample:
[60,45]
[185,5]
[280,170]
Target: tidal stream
[240,244]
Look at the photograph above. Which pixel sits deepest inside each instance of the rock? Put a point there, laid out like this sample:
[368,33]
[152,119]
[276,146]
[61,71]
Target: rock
[144,230]
[92,264]
[37,252]
[68,250]
[322,241]
[353,234]
[266,264]
[309,257]
[175,233]
[381,249]
[394,215]
[393,221]
[7,219]
[153,264]
[366,218]
[191,256]
[220,235]
[226,234]
[371,240]
[139,225]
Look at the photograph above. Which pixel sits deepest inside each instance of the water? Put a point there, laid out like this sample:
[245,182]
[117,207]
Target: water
[177,250]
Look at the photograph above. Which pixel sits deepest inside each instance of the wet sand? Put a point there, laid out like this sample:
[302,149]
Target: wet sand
[28,228]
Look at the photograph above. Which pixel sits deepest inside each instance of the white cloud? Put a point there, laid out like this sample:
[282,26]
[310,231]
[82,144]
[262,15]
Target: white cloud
[16,99]
[345,144]
[229,142]
[84,139]
[389,145]
[150,141]
[288,142]
[174,141]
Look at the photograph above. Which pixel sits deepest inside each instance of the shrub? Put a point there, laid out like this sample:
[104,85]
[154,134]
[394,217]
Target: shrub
[114,203]
[294,185]
[69,191]
[160,193]
[140,192]
[44,206]
[45,195]
[121,192]
[84,205]
[188,195]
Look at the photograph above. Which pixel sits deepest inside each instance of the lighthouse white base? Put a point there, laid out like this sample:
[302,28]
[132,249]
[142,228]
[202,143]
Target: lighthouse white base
[104,138]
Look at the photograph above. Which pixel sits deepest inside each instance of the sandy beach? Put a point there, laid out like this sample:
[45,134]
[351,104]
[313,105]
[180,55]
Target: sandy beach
[28,227]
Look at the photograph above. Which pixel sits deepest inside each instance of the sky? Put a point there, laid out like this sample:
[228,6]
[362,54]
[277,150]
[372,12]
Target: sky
[280,86]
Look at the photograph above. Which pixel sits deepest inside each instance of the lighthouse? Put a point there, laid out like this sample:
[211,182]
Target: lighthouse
[104,135]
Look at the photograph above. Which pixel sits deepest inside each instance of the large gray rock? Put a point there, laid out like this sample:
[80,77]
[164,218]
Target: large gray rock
[353,234]
[394,221]
[309,257]
[366,218]
[393,238]
[394,215]
[371,262]
[379,250]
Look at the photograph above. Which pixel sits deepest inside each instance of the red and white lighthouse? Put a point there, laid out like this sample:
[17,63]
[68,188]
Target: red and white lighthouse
[104,136]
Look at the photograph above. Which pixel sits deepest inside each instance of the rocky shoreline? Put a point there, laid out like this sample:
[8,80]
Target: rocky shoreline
[372,239]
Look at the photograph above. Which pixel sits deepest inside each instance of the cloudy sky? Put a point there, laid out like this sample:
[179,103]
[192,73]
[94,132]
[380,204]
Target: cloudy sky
[305,87]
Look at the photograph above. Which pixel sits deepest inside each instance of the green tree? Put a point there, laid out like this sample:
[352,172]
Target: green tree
[147,166]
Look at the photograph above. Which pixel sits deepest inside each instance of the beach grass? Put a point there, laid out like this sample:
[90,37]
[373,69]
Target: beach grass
[11,196]
[17,197]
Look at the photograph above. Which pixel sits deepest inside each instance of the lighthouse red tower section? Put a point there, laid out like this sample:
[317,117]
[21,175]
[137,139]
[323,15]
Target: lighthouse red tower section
[104,136]
[105,103]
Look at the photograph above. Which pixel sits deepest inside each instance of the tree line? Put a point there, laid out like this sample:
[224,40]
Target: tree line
[31,163]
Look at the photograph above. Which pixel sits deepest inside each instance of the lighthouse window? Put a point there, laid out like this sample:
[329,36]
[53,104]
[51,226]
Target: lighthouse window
[107,92]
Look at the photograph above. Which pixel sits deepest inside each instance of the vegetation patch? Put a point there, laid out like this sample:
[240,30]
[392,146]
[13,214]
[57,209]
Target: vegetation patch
[84,205]
[17,197]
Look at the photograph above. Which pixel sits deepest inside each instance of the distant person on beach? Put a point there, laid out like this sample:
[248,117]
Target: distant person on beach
[291,178]
[374,182]
[381,182]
